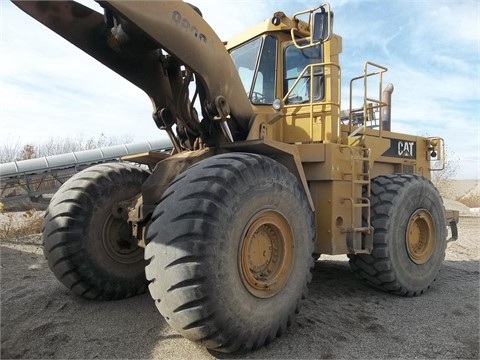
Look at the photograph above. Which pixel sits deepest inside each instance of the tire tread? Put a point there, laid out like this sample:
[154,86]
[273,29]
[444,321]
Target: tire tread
[375,269]
[190,312]
[62,230]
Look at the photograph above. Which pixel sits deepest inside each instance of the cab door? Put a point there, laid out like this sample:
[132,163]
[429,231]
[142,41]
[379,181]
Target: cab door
[303,93]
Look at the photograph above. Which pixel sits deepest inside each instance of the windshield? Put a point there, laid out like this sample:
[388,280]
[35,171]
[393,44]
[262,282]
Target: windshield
[256,65]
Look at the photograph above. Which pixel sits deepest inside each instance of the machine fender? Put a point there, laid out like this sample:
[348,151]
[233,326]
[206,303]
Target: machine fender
[285,154]
[166,170]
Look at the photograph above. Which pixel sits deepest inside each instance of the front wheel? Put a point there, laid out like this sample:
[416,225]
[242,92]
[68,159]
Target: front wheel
[230,251]
[88,249]
[409,239]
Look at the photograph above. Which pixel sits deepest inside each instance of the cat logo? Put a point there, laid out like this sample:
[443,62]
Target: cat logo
[401,149]
[405,148]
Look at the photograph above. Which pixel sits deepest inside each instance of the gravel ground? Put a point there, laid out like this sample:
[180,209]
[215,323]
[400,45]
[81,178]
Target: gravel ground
[342,318]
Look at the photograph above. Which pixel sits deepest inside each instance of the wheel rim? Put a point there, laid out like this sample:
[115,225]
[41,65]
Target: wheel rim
[115,235]
[266,254]
[420,236]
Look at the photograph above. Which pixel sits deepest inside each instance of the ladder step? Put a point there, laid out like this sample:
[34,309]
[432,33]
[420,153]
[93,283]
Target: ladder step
[360,205]
[362,229]
[359,177]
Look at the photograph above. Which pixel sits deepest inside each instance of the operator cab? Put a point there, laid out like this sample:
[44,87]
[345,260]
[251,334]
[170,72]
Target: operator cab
[291,76]
[257,63]
[298,55]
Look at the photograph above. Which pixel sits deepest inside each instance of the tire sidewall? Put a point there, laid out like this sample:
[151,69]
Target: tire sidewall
[244,307]
[108,195]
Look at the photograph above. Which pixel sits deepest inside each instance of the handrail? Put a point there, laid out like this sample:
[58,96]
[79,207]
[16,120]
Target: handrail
[310,23]
[311,102]
[369,103]
[312,75]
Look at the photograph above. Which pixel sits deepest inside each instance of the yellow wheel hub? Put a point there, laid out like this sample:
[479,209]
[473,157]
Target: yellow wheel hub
[420,236]
[266,254]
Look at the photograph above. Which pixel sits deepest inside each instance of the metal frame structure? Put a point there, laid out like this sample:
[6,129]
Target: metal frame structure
[35,179]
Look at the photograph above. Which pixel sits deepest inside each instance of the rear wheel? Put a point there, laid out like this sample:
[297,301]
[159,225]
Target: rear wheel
[409,239]
[88,249]
[230,251]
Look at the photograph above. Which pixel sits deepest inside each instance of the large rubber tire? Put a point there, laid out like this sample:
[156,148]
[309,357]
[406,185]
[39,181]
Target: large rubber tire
[409,239]
[85,246]
[230,250]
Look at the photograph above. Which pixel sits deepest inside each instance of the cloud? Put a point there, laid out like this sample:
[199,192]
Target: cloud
[48,87]
[432,51]
[450,21]
[51,88]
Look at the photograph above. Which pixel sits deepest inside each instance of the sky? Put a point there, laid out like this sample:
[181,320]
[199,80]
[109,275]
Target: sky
[49,88]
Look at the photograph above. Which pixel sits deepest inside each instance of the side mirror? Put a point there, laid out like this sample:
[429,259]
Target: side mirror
[321,25]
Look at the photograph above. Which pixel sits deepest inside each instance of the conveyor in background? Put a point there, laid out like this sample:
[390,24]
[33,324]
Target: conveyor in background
[30,183]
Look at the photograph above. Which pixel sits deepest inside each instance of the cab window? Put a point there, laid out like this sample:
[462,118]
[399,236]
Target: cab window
[256,65]
[310,78]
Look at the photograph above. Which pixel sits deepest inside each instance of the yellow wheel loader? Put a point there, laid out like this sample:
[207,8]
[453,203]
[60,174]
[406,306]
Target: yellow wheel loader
[266,174]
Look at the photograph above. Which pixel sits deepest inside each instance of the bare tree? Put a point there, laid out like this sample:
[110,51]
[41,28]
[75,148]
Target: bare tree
[444,179]
[28,152]
[10,150]
[14,150]
[55,146]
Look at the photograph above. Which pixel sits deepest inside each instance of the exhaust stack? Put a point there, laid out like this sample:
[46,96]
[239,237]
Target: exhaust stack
[387,109]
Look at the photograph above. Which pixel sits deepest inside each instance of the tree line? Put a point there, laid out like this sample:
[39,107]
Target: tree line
[15,149]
